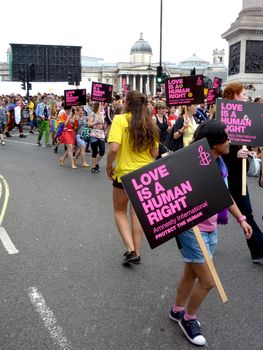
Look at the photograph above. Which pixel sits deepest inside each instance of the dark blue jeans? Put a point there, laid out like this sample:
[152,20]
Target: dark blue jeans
[255,243]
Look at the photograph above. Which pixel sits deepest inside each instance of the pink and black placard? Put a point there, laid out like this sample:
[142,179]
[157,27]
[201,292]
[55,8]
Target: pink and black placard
[75,97]
[177,192]
[184,90]
[101,92]
[243,120]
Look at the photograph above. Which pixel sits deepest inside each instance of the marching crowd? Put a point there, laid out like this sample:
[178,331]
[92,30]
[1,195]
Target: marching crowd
[139,130]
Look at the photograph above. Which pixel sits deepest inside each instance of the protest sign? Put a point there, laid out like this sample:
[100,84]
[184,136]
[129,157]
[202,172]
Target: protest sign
[243,120]
[101,92]
[75,97]
[184,90]
[177,192]
[212,95]
[217,82]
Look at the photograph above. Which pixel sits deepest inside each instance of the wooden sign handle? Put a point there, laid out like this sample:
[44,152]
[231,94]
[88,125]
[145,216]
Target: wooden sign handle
[244,174]
[210,265]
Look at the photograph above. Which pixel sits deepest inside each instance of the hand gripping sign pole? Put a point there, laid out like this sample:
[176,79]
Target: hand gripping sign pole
[244,174]
[208,260]
[210,265]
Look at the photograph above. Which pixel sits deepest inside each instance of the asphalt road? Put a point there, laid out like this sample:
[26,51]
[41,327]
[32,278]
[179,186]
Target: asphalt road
[65,288]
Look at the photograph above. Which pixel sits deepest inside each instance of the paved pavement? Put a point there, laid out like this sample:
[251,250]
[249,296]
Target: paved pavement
[65,287]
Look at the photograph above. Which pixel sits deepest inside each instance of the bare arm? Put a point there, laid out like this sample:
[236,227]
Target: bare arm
[234,210]
[112,154]
[154,152]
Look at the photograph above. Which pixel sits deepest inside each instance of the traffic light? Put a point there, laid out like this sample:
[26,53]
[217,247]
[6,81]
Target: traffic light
[32,72]
[23,85]
[70,78]
[193,71]
[22,75]
[159,75]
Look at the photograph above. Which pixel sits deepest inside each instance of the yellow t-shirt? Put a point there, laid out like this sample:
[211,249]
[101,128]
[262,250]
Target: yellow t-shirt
[189,133]
[127,160]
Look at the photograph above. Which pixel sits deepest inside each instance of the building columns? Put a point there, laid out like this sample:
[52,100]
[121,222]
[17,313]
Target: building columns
[141,89]
[134,82]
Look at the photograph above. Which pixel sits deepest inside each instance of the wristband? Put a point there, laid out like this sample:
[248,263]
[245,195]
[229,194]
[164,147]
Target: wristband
[241,218]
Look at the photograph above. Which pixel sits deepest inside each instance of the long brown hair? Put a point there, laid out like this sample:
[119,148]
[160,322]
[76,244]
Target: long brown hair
[143,132]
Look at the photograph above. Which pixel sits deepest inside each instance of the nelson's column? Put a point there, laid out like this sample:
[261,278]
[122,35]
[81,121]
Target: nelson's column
[245,38]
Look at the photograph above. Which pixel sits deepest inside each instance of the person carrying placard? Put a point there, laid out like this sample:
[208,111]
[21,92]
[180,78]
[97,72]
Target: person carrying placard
[133,143]
[196,281]
[236,91]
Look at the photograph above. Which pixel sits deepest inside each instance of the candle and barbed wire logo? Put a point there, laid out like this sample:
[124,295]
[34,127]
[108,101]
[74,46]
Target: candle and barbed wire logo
[205,157]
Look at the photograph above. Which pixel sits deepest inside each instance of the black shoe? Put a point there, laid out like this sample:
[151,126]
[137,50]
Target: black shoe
[130,257]
[56,149]
[94,170]
[38,143]
[7,134]
[31,132]
[257,260]
[98,167]
[176,316]
[192,331]
[88,150]
[22,136]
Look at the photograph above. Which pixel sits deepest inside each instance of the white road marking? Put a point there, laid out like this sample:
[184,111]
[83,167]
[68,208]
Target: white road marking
[48,319]
[2,212]
[7,243]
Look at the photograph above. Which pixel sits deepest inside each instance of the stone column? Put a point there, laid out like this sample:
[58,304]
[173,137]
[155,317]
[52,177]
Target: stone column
[120,84]
[141,83]
[245,39]
[134,82]
[154,85]
[252,3]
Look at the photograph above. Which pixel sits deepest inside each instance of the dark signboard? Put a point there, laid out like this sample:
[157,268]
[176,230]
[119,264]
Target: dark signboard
[212,95]
[101,92]
[172,195]
[184,90]
[51,62]
[243,120]
[217,82]
[75,97]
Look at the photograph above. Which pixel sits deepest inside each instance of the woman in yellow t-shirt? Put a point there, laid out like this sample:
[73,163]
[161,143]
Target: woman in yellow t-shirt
[186,125]
[133,143]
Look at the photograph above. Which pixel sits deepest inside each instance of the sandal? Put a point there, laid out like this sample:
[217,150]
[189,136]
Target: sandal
[85,165]
[75,161]
[61,161]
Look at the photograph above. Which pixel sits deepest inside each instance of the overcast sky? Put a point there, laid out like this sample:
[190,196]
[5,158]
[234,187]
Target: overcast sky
[108,28]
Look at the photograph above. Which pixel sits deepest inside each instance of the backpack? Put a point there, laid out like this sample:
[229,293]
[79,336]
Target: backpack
[85,134]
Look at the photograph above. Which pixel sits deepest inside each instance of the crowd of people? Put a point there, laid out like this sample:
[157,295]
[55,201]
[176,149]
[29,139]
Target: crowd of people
[138,130]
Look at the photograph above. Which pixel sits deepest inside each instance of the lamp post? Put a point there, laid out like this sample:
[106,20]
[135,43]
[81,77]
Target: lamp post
[161,32]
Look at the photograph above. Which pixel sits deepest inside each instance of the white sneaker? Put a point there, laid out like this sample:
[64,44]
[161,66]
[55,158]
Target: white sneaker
[3,142]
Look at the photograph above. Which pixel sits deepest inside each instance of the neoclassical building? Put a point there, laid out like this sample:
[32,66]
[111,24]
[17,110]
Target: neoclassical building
[140,72]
